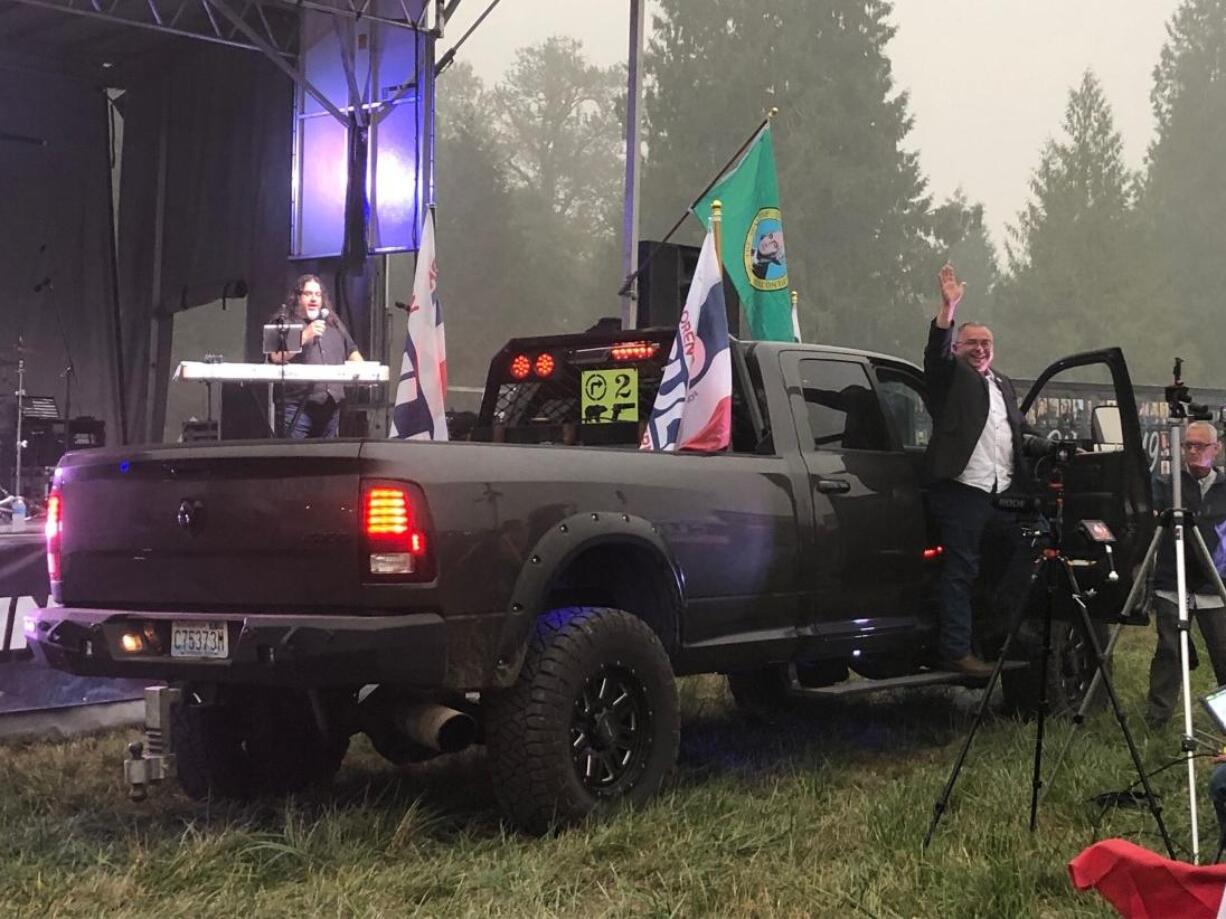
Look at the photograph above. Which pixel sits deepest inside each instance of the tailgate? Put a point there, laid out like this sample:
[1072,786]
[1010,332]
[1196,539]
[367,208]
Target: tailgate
[233,525]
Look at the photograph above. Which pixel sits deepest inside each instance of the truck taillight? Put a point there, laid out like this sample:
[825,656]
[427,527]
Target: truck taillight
[54,529]
[634,350]
[395,539]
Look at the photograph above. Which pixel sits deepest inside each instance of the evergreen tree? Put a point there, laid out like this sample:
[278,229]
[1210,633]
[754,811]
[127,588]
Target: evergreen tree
[559,122]
[477,253]
[1184,202]
[854,208]
[1076,265]
[963,241]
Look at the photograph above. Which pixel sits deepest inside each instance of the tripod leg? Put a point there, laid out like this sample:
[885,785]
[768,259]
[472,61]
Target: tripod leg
[1036,781]
[938,809]
[1134,600]
[1101,662]
[1206,559]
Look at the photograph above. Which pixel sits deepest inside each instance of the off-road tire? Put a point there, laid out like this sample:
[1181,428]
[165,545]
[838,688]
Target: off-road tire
[1069,672]
[591,725]
[260,741]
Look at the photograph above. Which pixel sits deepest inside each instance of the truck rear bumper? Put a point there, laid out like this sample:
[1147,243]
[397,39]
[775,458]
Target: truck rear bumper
[285,650]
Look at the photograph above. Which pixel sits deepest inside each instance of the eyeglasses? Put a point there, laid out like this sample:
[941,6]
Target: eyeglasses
[1195,445]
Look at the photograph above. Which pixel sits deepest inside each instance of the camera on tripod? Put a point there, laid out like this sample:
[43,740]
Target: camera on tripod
[1179,398]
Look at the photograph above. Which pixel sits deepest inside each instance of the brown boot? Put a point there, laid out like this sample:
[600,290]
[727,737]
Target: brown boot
[969,665]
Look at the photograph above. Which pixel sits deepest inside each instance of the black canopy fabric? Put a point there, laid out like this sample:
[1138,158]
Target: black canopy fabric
[217,123]
[55,255]
[213,127]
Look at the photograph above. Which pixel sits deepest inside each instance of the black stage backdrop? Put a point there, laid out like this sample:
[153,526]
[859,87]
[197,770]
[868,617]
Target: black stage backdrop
[225,118]
[54,213]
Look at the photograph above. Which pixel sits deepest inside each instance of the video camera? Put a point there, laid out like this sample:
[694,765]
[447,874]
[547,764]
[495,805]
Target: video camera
[1179,399]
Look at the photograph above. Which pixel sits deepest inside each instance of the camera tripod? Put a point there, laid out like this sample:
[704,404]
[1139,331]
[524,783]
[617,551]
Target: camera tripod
[1175,520]
[1051,579]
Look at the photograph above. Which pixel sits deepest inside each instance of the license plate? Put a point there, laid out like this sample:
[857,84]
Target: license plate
[199,639]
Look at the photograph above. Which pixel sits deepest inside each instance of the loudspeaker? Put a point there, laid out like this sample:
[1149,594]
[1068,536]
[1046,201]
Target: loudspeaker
[665,282]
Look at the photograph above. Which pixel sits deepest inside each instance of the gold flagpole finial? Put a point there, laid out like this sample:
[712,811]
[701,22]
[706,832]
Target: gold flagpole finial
[717,219]
[772,112]
[795,298]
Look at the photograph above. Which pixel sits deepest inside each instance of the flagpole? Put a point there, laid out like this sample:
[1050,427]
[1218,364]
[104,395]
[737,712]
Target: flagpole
[717,221]
[634,275]
[795,314]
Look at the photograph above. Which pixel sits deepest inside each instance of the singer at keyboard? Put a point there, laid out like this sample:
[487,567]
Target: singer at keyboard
[314,409]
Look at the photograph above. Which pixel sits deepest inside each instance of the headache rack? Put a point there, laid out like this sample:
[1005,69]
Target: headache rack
[594,389]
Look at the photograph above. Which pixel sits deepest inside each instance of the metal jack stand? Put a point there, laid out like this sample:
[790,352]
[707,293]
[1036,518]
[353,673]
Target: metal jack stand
[1052,574]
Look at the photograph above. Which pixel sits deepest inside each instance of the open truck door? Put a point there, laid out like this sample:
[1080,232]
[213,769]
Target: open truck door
[1104,473]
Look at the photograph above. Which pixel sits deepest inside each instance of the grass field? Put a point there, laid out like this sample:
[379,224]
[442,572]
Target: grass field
[821,812]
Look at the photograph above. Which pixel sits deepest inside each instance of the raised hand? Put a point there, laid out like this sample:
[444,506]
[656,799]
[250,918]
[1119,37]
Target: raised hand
[951,288]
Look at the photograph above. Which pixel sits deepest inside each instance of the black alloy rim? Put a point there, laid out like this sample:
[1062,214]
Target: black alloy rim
[610,731]
[1076,666]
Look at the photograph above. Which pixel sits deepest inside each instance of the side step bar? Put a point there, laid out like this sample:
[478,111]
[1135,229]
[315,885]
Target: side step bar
[910,681]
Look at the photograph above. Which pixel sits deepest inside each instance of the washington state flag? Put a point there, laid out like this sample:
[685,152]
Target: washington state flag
[753,254]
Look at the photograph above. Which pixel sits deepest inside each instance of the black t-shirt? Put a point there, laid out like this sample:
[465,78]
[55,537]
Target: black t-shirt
[333,347]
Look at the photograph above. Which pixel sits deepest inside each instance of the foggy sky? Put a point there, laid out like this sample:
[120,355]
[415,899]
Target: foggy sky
[988,79]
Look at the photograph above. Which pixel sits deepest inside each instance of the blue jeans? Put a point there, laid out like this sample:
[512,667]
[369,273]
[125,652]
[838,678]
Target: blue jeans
[968,525]
[316,419]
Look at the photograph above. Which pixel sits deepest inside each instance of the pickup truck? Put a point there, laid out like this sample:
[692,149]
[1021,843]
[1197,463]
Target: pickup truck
[538,587]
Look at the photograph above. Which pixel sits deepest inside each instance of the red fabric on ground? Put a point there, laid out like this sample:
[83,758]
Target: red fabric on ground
[1141,884]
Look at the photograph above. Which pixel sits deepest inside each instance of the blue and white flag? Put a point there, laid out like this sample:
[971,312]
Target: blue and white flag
[421,393]
[693,409]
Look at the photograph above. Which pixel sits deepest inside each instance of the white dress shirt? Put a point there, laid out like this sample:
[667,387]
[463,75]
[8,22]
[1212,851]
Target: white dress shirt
[990,467]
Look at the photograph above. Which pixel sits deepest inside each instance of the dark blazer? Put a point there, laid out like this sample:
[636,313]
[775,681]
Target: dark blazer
[1210,515]
[958,403]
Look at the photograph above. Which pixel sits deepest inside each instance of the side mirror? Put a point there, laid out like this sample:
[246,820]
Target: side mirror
[1107,429]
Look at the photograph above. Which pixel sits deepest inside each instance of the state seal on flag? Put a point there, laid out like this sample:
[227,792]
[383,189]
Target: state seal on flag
[765,259]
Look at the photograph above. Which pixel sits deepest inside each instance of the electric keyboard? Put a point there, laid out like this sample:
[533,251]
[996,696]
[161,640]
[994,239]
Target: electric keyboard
[355,372]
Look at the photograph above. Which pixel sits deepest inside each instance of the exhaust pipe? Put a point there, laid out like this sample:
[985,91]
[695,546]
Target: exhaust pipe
[438,727]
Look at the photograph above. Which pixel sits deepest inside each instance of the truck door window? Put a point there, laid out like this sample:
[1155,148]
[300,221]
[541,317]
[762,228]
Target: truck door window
[843,410]
[904,404]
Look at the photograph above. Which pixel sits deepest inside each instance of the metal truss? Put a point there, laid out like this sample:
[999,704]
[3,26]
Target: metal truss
[255,25]
[189,19]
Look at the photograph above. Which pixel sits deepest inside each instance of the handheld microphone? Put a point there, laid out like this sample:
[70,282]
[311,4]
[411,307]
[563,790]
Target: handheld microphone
[322,317]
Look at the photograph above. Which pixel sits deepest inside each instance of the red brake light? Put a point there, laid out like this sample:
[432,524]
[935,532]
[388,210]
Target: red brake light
[933,552]
[520,367]
[634,350]
[544,365]
[54,529]
[396,545]
[387,512]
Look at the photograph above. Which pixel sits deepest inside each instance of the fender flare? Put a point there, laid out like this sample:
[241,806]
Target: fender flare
[556,549]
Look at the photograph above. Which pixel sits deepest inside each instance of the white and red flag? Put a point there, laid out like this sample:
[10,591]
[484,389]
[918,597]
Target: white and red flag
[693,408]
[421,393]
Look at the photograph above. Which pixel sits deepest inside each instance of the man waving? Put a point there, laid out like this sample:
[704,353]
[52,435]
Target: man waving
[975,452]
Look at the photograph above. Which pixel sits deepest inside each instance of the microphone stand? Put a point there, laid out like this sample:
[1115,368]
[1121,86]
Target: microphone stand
[70,369]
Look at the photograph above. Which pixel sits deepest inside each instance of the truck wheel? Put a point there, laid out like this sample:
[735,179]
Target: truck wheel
[209,757]
[259,741]
[1069,672]
[591,725]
